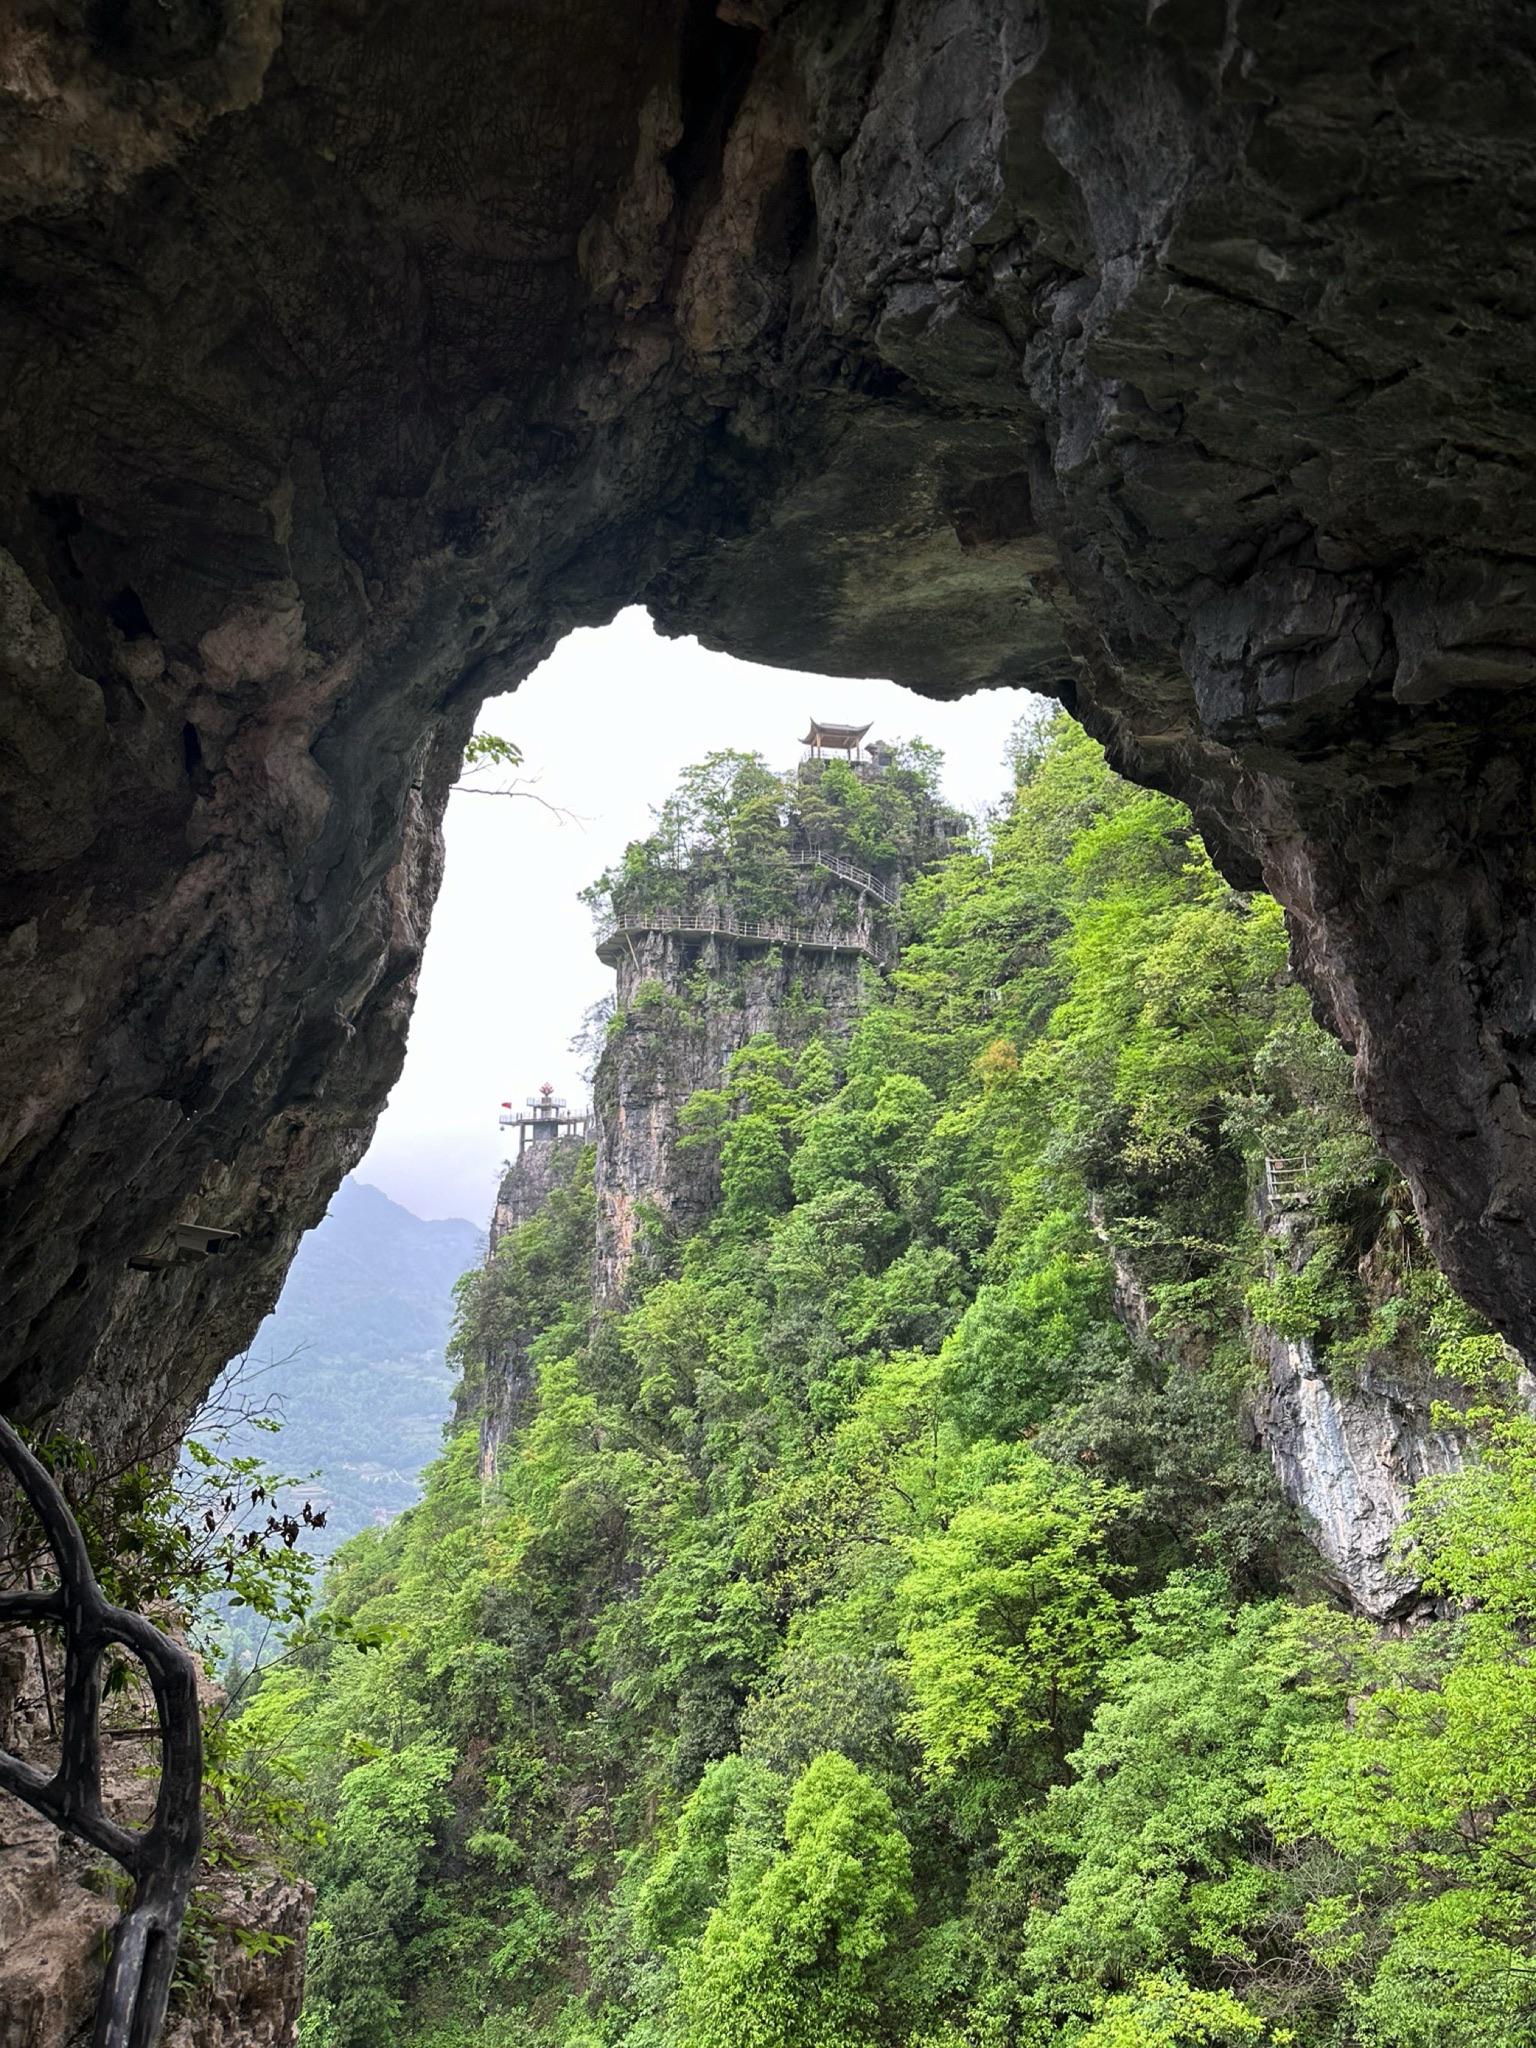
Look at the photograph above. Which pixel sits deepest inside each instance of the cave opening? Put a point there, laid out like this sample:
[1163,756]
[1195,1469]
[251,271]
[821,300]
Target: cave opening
[606,727]
[1176,361]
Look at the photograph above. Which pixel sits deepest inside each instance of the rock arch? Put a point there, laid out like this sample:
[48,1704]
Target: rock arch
[1176,360]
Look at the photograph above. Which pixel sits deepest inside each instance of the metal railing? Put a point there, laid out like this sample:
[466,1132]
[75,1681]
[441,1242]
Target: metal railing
[162,1858]
[723,924]
[861,878]
[811,765]
[1287,1183]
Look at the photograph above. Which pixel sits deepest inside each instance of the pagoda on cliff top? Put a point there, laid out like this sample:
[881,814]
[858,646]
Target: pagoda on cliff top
[825,738]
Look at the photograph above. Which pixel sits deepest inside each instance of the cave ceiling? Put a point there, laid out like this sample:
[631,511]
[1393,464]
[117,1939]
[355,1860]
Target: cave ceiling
[1175,359]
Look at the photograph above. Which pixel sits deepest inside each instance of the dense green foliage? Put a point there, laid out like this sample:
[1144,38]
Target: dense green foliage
[728,830]
[217,1531]
[881,1631]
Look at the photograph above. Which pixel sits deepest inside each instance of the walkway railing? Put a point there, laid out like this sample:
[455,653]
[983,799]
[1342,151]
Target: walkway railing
[723,924]
[1287,1183]
[811,766]
[572,1125]
[861,878]
[162,1858]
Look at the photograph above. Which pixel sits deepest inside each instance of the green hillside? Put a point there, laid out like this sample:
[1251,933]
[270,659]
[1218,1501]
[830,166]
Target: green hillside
[883,1628]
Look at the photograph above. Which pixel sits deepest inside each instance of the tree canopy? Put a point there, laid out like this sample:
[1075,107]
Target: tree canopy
[882,1627]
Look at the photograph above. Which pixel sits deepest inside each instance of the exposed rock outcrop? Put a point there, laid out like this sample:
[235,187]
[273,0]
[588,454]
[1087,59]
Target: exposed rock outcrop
[1347,1451]
[1349,1461]
[676,1038]
[696,979]
[1173,359]
[497,1391]
[1348,1447]
[544,1163]
[57,1913]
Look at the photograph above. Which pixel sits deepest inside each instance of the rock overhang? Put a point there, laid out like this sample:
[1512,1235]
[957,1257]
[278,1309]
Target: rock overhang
[1176,362]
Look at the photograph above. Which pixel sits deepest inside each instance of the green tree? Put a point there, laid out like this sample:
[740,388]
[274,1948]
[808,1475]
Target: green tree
[1426,1790]
[886,1628]
[1009,1618]
[800,1954]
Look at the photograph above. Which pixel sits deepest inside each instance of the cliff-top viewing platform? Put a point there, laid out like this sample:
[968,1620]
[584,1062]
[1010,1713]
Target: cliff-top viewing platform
[825,742]
[721,923]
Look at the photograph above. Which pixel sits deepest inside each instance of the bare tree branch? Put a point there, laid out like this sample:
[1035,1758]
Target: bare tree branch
[518,789]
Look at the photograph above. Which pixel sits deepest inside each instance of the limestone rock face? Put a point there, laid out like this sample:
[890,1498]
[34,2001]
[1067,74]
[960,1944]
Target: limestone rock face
[698,977]
[1348,1448]
[497,1395]
[1173,359]
[690,1016]
[90,99]
[544,1163]
[252,1996]
[1349,1462]
[1347,1451]
[56,1919]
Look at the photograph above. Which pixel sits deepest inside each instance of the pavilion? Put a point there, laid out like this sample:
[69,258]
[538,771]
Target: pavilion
[825,738]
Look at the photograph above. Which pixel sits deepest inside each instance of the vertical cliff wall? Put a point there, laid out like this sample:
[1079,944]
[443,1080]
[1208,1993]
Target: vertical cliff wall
[496,1387]
[685,1006]
[1348,1447]
[542,1164]
[783,935]
[1348,1459]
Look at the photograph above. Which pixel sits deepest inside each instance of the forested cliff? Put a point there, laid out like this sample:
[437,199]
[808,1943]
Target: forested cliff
[952,1574]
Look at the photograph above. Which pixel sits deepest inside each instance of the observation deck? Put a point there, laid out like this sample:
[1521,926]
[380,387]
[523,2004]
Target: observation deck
[827,741]
[546,1117]
[824,742]
[855,940]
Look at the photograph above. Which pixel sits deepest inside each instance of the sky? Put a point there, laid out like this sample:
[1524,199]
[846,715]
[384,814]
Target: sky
[606,724]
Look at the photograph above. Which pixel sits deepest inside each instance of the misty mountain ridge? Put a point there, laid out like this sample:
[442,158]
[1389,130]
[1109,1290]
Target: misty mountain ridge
[351,1361]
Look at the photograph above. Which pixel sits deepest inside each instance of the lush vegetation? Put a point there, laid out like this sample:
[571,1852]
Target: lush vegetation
[728,830]
[883,1630]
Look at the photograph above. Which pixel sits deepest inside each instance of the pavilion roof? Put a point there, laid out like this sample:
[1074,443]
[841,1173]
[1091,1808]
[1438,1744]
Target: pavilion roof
[822,734]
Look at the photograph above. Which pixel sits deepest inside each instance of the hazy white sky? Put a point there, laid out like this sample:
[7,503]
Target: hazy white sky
[606,725]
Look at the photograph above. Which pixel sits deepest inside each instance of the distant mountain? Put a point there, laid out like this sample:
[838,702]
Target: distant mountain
[351,1359]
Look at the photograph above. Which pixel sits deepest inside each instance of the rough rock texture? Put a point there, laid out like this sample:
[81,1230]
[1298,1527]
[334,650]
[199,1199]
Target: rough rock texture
[498,1393]
[678,1039]
[684,1004]
[1347,1456]
[1348,1451]
[56,1917]
[1175,358]
[246,1998]
[1349,1461]
[544,1163]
